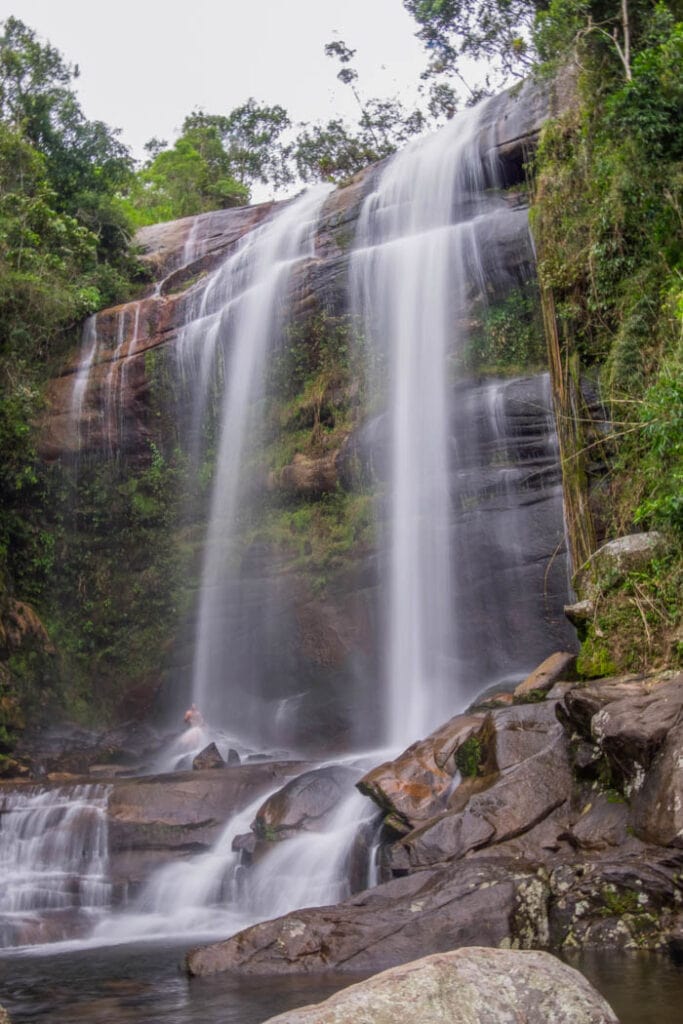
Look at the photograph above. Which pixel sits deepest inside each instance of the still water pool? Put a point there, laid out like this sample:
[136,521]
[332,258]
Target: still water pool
[144,984]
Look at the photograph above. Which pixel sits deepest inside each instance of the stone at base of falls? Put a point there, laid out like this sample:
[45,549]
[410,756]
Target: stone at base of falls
[465,986]
[4,1016]
[303,803]
[414,787]
[209,757]
[560,665]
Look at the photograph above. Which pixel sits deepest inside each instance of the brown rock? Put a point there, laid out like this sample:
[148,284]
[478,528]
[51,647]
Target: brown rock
[522,797]
[657,809]
[209,757]
[304,803]
[464,905]
[416,784]
[307,476]
[560,665]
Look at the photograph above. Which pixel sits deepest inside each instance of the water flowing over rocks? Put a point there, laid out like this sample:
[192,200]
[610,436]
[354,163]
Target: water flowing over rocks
[155,819]
[467,986]
[566,834]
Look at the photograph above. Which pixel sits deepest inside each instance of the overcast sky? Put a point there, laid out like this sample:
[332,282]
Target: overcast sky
[145,64]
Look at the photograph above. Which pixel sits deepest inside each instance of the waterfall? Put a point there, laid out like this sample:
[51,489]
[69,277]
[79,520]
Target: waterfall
[428,246]
[54,862]
[242,310]
[89,347]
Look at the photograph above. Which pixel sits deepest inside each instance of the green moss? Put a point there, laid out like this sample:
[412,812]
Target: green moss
[594,660]
[469,757]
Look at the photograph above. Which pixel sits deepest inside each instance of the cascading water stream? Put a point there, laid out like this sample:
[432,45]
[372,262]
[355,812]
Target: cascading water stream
[427,245]
[242,308]
[53,861]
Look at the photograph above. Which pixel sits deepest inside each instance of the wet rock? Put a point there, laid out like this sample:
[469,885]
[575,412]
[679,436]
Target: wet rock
[4,1016]
[560,665]
[232,757]
[628,720]
[466,904]
[154,818]
[304,803]
[465,986]
[657,810]
[627,900]
[415,786]
[209,757]
[601,825]
[521,797]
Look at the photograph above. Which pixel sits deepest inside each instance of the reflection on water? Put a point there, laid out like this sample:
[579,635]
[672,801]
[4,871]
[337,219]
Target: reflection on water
[144,984]
[642,988]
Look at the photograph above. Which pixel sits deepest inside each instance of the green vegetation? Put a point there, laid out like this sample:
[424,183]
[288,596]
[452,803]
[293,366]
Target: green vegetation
[607,220]
[509,338]
[470,757]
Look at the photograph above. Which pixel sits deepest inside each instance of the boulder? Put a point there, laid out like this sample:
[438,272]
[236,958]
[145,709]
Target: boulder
[560,665]
[209,757]
[657,809]
[610,564]
[628,720]
[465,986]
[4,1016]
[601,825]
[416,785]
[520,798]
[526,776]
[304,803]
[465,904]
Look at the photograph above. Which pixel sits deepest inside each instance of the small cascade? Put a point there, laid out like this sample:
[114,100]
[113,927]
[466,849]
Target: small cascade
[313,869]
[54,862]
[197,895]
[214,894]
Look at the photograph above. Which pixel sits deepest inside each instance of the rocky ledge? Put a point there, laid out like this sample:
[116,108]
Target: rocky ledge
[554,822]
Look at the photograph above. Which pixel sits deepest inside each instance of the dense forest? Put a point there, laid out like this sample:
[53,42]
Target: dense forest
[607,218]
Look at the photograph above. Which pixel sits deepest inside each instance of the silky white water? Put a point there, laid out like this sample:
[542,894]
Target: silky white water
[418,264]
[54,859]
[242,310]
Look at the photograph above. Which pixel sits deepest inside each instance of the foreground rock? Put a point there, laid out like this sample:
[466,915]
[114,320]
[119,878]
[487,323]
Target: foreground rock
[465,986]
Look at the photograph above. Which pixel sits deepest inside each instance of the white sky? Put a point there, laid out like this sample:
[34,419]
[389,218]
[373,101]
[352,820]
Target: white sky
[145,64]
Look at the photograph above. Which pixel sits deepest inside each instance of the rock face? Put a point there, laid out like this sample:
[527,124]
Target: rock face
[567,833]
[466,986]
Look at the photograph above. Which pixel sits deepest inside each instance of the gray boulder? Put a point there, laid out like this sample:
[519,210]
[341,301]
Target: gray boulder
[465,986]
[304,803]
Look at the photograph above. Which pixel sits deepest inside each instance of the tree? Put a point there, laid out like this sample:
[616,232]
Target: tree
[85,163]
[251,137]
[333,150]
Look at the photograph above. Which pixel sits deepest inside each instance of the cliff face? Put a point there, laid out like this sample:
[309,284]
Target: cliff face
[123,437]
